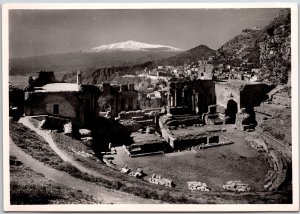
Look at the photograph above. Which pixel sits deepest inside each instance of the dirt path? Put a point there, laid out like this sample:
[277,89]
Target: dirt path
[63,155]
[106,196]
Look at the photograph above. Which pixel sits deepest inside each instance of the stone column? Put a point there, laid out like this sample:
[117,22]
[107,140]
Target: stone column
[196,102]
[170,99]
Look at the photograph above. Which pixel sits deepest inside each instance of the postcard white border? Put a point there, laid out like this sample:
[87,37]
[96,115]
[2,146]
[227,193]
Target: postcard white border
[149,207]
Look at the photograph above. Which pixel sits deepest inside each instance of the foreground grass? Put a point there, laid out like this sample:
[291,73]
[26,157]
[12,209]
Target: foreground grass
[29,187]
[33,144]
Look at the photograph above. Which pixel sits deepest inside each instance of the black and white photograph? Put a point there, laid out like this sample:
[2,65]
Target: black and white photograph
[150,107]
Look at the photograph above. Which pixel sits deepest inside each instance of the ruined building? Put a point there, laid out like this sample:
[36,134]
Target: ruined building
[193,103]
[236,100]
[120,98]
[78,102]
[205,70]
[190,97]
[74,101]
[230,98]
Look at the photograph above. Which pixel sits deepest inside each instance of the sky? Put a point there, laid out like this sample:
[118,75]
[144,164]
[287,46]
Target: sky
[40,32]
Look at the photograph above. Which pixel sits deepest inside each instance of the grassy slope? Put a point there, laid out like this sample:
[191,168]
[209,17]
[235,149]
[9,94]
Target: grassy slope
[30,187]
[279,126]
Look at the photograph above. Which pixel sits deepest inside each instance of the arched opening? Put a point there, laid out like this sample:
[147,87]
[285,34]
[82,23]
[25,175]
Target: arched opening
[231,110]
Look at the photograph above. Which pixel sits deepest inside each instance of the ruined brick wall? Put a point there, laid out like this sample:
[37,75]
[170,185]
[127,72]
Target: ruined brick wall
[190,96]
[206,94]
[244,94]
[123,98]
[226,92]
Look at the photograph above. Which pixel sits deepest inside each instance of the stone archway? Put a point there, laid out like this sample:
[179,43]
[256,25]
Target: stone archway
[231,111]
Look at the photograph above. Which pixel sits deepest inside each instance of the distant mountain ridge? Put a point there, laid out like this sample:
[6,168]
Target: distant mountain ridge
[131,46]
[119,54]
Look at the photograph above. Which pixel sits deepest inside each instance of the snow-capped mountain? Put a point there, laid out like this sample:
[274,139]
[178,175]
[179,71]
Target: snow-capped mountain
[118,54]
[131,46]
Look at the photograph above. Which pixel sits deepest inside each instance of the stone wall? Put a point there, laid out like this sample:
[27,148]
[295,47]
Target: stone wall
[245,94]
[119,98]
[139,113]
[187,96]
[73,105]
[225,92]
[43,103]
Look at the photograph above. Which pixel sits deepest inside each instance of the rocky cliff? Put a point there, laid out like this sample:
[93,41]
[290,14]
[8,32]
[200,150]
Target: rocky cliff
[275,49]
[242,47]
[268,48]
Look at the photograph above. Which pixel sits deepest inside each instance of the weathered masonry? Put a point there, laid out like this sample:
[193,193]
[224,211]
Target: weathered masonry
[190,97]
[244,94]
[76,102]
[120,98]
[236,100]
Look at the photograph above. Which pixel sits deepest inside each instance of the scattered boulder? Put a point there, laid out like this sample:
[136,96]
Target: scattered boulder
[42,124]
[157,179]
[197,186]
[85,132]
[236,186]
[150,130]
[87,141]
[68,129]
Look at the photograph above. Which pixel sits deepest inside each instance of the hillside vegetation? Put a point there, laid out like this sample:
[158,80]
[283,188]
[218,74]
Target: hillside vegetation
[275,49]
[268,48]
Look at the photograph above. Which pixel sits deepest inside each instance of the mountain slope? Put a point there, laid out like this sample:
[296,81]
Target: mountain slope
[268,48]
[111,73]
[119,54]
[275,49]
[197,53]
[241,47]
